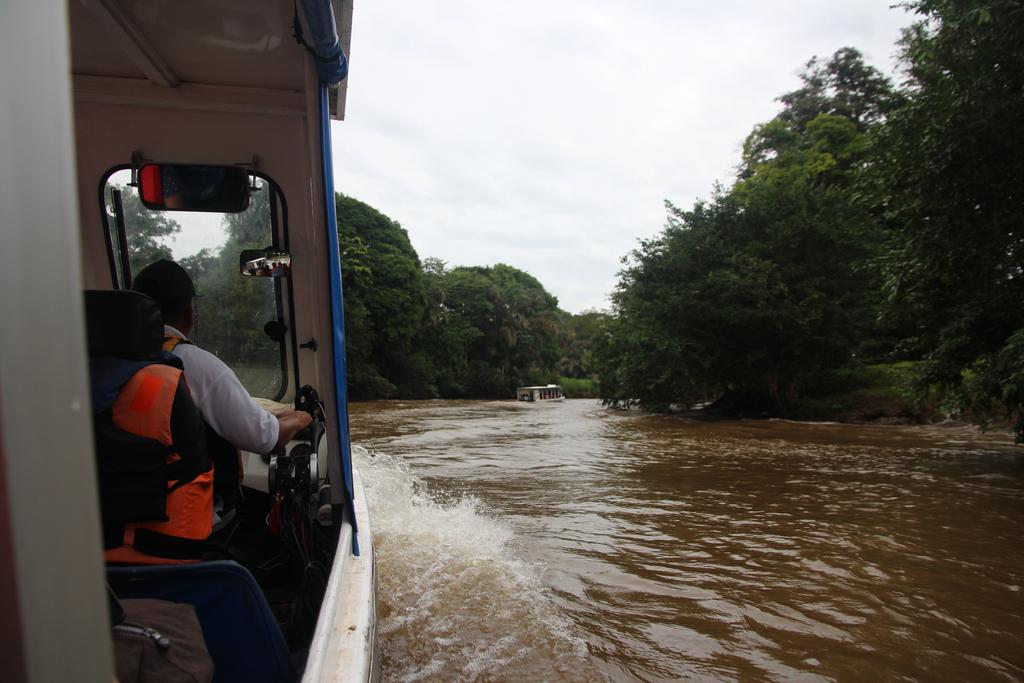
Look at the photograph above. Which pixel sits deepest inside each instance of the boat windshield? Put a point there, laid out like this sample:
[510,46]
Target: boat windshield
[232,312]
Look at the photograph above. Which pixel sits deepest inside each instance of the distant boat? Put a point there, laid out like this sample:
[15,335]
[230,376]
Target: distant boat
[548,392]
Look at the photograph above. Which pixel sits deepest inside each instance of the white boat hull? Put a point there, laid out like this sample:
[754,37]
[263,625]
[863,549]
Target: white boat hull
[344,644]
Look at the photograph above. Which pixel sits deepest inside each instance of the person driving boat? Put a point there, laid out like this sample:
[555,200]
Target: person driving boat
[223,402]
[234,421]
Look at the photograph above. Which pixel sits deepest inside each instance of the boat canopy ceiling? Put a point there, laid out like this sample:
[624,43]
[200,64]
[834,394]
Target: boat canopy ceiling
[246,43]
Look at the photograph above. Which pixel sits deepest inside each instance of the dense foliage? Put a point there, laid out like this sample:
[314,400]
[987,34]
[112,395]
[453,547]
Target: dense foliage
[950,179]
[423,330]
[768,283]
[151,230]
[384,304]
[866,222]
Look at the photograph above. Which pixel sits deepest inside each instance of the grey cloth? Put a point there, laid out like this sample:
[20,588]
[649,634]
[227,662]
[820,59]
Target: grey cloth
[160,641]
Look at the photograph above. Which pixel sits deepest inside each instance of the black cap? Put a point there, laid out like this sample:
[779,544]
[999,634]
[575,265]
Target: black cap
[165,282]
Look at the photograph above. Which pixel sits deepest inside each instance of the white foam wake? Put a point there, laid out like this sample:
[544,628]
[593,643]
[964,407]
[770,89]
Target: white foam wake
[455,599]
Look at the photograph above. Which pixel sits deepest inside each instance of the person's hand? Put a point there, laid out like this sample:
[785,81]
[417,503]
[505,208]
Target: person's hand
[290,423]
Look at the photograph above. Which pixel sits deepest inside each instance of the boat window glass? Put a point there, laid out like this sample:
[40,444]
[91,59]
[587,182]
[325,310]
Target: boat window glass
[232,312]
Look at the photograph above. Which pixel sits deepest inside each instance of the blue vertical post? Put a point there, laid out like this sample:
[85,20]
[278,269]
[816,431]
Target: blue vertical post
[337,313]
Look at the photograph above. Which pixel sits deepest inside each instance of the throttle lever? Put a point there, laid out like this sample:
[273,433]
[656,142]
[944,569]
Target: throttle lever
[307,400]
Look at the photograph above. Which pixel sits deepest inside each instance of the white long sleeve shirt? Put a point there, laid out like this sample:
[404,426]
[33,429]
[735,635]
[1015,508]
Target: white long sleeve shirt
[222,400]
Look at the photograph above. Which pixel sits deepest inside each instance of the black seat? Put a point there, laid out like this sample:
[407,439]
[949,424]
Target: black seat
[123,323]
[125,333]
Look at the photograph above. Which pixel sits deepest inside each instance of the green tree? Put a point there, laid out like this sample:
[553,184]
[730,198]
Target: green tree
[495,328]
[423,330]
[384,305]
[579,333]
[950,173]
[842,86]
[768,284]
[448,332]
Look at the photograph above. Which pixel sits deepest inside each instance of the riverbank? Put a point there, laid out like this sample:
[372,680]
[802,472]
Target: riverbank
[867,394]
[579,388]
[882,393]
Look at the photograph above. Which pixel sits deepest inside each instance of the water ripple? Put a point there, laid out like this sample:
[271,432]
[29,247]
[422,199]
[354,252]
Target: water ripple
[567,542]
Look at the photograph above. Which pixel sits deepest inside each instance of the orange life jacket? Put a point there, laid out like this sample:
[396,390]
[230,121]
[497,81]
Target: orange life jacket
[143,408]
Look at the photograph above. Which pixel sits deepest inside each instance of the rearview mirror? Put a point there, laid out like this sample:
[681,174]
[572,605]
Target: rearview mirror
[264,263]
[184,187]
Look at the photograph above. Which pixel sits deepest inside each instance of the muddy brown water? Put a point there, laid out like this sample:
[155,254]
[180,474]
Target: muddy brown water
[566,542]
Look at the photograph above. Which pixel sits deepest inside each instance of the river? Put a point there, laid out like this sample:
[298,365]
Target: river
[566,542]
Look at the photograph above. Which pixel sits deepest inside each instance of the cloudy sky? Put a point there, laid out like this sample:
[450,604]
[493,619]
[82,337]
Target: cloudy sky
[546,135]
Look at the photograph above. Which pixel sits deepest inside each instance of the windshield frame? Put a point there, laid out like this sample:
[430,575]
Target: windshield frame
[284,297]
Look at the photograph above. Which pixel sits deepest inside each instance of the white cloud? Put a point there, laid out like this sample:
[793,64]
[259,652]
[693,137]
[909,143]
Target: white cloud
[546,135]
